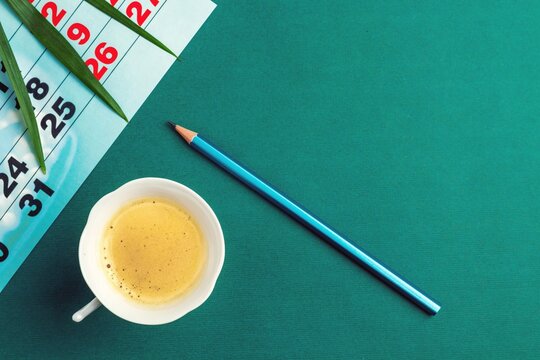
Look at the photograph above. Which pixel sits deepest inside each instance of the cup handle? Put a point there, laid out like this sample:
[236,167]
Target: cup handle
[86,310]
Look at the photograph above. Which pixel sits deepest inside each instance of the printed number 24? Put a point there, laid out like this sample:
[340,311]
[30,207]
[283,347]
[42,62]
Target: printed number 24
[15,169]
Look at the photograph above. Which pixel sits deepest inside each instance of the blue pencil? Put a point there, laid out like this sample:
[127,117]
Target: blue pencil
[308,220]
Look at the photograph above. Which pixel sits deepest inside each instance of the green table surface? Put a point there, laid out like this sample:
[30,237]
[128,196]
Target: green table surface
[412,127]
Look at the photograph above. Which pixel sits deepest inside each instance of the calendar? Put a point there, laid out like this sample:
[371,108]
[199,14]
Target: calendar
[76,127]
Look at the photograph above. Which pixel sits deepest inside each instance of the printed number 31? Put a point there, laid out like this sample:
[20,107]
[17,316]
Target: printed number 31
[30,201]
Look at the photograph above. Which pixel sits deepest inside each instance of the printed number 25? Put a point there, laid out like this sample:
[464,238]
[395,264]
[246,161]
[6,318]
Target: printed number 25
[61,108]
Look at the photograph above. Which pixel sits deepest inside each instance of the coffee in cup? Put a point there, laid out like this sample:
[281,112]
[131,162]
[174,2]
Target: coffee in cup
[153,251]
[165,249]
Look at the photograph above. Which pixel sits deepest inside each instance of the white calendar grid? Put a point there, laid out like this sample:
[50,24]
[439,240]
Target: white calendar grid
[85,138]
[40,112]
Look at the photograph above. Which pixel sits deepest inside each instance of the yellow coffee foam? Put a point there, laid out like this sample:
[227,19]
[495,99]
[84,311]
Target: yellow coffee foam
[153,251]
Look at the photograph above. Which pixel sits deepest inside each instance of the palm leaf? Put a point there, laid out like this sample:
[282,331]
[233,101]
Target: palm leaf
[17,81]
[110,10]
[61,49]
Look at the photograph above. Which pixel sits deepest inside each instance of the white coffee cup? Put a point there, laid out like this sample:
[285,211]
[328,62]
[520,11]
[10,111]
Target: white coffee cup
[96,278]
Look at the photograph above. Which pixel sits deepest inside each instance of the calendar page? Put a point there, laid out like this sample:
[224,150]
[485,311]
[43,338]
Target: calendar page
[76,128]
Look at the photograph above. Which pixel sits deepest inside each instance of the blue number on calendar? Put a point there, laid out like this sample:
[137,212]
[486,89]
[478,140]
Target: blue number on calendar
[29,200]
[3,87]
[5,252]
[62,109]
[15,169]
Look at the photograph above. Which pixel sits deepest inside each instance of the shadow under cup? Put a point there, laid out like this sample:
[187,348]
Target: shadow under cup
[96,277]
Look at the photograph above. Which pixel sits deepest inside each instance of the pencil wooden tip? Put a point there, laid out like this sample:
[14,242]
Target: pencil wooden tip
[186,134]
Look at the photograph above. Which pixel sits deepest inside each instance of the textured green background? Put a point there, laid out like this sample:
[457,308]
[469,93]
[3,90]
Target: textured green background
[412,128]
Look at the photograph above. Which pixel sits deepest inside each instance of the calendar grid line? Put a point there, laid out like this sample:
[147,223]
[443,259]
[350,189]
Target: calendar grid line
[84,108]
[33,65]
[24,77]
[20,26]
[27,73]
[91,127]
[39,113]
[40,56]
[59,86]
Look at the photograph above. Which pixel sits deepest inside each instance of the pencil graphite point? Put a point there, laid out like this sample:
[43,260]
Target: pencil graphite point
[172,124]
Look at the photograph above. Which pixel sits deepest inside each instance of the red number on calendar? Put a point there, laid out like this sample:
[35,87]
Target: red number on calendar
[136,9]
[113,2]
[51,8]
[98,71]
[105,55]
[78,32]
